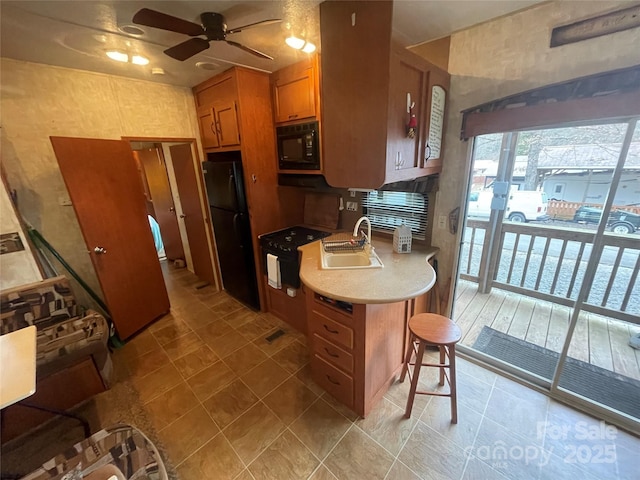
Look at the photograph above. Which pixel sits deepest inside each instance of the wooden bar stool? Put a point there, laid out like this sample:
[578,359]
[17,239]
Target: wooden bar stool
[432,329]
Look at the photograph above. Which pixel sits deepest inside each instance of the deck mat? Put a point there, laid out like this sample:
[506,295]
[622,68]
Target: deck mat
[606,387]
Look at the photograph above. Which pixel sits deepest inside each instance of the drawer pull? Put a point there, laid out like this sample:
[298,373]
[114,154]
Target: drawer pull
[332,380]
[330,353]
[335,332]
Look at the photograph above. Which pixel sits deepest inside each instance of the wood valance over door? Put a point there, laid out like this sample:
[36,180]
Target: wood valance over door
[608,95]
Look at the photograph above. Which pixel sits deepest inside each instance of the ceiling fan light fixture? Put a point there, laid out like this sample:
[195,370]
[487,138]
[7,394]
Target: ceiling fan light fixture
[139,60]
[132,30]
[295,42]
[309,47]
[117,56]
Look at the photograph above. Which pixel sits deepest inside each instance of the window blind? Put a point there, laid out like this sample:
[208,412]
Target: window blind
[387,210]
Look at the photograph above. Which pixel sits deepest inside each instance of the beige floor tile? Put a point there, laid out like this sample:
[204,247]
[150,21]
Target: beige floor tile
[320,428]
[292,357]
[478,470]
[183,345]
[240,317]
[290,400]
[322,473]
[437,415]
[399,471]
[227,344]
[156,382]
[171,405]
[476,371]
[259,326]
[245,358]
[430,455]
[195,361]
[148,362]
[494,439]
[215,460]
[172,332]
[245,475]
[214,330]
[357,456]
[387,426]
[226,307]
[229,403]
[340,407]
[212,299]
[188,433]
[285,459]
[167,320]
[473,392]
[520,413]
[265,377]
[210,380]
[200,316]
[253,432]
[142,343]
[398,393]
[304,375]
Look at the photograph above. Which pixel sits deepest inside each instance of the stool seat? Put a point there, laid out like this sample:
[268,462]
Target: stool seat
[435,329]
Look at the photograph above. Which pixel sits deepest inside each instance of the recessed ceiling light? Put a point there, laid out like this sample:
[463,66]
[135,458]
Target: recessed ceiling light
[309,47]
[207,65]
[117,56]
[132,30]
[295,42]
[139,60]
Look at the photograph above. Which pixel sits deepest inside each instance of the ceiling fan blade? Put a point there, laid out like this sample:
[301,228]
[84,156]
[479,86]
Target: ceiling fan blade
[152,18]
[250,50]
[187,49]
[257,24]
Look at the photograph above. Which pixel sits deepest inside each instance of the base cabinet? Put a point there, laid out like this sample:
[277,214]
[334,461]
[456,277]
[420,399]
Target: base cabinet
[292,310]
[357,354]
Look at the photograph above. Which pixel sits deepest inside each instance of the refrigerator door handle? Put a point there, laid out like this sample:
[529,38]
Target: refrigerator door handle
[237,230]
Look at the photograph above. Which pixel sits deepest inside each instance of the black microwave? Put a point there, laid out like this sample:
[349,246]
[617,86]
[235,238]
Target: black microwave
[298,146]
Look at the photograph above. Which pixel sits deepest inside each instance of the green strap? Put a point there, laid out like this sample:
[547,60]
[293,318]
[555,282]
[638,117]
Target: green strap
[36,237]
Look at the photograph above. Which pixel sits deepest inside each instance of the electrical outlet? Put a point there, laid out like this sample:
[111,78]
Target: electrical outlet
[353,194]
[352,206]
[442,222]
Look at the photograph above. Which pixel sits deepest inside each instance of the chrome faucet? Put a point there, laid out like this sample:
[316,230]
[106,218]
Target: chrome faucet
[368,234]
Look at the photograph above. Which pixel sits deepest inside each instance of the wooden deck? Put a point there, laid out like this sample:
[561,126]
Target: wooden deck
[598,340]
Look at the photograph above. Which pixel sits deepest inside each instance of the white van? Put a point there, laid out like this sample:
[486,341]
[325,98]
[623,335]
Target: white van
[522,205]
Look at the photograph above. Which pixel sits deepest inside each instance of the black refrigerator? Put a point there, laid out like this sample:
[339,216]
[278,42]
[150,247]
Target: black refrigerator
[228,206]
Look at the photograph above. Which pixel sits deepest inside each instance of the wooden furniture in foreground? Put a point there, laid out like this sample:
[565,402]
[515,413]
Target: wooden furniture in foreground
[433,330]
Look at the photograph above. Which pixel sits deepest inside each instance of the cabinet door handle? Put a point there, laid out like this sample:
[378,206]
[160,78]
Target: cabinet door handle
[330,353]
[332,380]
[335,332]
[213,129]
[293,116]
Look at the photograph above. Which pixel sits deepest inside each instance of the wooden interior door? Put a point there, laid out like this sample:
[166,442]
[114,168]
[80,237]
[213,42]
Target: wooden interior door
[103,184]
[155,172]
[194,220]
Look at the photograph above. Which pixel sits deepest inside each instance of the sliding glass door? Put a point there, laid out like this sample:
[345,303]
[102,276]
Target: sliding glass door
[548,270]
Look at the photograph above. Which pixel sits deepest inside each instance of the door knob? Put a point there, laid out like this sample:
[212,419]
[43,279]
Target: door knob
[100,250]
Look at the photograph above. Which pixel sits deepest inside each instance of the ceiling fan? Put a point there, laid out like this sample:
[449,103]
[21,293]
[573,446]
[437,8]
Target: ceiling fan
[214,27]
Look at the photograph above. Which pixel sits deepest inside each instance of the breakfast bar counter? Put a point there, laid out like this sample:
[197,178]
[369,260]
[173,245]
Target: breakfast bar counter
[357,320]
[403,277]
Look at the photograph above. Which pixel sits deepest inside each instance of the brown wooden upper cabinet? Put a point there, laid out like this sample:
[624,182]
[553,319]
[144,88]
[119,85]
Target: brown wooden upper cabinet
[216,104]
[370,89]
[295,91]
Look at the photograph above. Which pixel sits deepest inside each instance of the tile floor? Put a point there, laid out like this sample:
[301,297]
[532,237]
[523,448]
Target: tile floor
[230,405]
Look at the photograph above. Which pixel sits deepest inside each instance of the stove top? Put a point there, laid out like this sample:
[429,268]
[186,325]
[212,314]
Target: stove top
[289,239]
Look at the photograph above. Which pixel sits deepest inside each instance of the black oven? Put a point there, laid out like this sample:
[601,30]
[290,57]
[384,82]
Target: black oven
[298,147]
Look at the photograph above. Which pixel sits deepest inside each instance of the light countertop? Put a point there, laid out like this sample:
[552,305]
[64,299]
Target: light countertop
[404,275]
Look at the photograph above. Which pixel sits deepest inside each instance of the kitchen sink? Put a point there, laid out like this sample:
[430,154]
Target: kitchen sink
[345,260]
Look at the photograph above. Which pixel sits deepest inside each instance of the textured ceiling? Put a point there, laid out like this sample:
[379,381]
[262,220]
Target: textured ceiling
[76,34]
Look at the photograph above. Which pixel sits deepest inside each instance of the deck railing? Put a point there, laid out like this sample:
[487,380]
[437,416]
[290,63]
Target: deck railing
[549,262]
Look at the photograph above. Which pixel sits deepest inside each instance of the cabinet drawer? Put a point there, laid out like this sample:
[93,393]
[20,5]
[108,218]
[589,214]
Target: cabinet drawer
[333,380]
[332,353]
[333,310]
[331,330]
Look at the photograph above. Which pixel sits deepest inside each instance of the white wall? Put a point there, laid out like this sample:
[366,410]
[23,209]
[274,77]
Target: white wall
[38,101]
[510,55]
